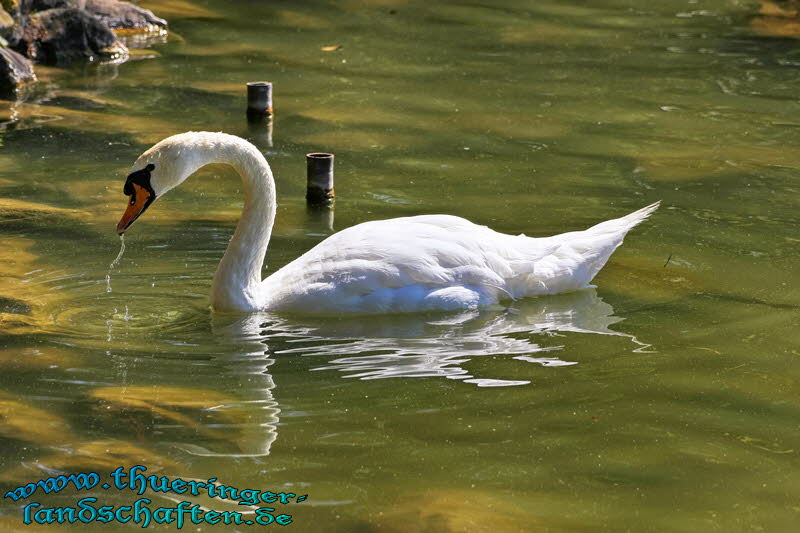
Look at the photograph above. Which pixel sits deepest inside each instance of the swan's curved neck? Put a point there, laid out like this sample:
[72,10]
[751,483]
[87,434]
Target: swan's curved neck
[238,277]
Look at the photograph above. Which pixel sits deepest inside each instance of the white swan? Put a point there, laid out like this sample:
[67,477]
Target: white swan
[417,263]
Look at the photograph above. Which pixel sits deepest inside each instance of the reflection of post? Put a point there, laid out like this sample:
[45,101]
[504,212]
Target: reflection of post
[320,219]
[259,132]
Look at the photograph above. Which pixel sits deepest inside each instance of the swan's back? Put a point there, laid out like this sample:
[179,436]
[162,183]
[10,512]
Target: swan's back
[438,262]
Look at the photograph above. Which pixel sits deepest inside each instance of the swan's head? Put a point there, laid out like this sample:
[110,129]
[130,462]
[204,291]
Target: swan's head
[161,168]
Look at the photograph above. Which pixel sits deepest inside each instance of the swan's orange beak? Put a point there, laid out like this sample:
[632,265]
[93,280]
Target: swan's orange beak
[138,202]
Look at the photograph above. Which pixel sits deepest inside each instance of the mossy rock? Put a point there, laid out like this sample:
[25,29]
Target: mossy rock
[15,72]
[125,17]
[67,34]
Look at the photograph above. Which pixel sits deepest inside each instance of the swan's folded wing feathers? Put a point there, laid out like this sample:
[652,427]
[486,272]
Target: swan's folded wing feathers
[413,254]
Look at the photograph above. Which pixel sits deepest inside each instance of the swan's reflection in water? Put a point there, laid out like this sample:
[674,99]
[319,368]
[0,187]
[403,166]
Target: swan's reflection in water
[420,345]
[246,425]
[376,347]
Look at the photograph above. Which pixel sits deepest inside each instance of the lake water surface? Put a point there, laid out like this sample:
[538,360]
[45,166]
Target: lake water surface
[666,399]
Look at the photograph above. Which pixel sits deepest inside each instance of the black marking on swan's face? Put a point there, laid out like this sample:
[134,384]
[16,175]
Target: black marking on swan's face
[140,191]
[140,178]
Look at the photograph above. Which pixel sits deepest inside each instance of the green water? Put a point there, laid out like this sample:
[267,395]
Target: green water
[664,400]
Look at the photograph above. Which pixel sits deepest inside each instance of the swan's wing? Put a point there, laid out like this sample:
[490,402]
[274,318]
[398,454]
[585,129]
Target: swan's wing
[430,251]
[441,262]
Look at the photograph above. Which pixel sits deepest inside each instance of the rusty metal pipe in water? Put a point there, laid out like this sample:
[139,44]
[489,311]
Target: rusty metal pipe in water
[259,99]
[319,175]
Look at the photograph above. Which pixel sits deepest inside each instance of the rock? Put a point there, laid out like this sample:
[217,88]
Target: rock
[43,5]
[17,6]
[15,71]
[6,27]
[6,20]
[125,16]
[65,34]
[11,18]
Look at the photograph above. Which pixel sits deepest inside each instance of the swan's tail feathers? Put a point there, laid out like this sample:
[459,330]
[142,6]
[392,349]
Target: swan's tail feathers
[595,245]
[578,256]
[638,216]
[624,224]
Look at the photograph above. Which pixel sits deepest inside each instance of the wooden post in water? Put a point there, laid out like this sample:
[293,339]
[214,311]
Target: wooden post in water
[319,173]
[259,113]
[259,100]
